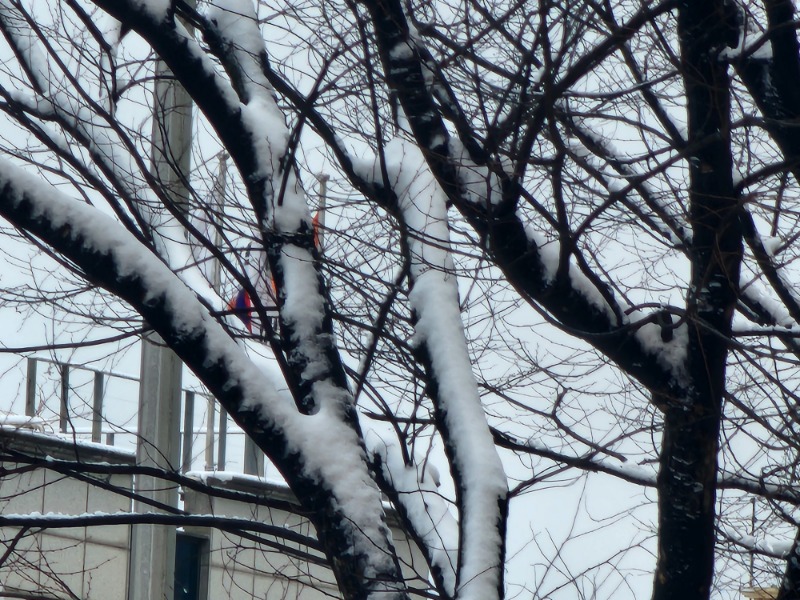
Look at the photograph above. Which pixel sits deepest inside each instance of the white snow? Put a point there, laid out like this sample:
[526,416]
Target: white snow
[618,179]
[434,298]
[761,52]
[330,448]
[670,355]
[752,44]
[772,245]
[425,507]
[773,306]
[303,304]
[480,184]
[237,23]
[305,310]
[769,545]
[550,256]
[13,421]
[112,155]
[401,51]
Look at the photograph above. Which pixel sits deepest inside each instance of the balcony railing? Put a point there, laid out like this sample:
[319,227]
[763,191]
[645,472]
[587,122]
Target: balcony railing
[72,399]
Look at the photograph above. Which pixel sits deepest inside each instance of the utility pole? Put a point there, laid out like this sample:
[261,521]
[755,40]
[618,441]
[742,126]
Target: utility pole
[218,198]
[152,561]
[323,179]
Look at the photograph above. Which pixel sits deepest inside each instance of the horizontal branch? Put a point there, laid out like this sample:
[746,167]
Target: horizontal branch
[230,524]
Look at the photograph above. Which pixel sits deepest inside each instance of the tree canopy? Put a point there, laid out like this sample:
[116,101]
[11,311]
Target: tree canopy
[558,246]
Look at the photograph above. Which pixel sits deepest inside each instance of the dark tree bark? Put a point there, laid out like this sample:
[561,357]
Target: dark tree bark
[356,576]
[688,463]
[512,147]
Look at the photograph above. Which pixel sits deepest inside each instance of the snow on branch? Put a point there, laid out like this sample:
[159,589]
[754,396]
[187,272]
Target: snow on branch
[769,546]
[253,131]
[764,251]
[487,196]
[235,26]
[596,151]
[325,447]
[415,491]
[478,472]
[59,97]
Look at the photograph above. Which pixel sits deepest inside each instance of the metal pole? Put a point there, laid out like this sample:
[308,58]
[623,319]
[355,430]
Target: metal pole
[188,431]
[152,559]
[63,413]
[323,200]
[30,388]
[253,458]
[219,202]
[97,407]
[223,438]
[753,534]
[210,435]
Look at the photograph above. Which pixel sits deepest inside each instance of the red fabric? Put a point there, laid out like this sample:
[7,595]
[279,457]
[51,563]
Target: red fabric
[242,307]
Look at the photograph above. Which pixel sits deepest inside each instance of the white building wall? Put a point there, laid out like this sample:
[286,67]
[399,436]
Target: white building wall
[93,563]
[90,563]
[246,570]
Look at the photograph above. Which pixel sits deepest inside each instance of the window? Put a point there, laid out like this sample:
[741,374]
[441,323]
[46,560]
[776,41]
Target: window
[191,567]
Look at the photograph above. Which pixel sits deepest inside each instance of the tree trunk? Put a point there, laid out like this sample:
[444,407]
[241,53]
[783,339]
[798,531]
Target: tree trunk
[688,461]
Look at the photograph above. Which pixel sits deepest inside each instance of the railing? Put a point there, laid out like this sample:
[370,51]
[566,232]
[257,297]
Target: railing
[216,428]
[32,408]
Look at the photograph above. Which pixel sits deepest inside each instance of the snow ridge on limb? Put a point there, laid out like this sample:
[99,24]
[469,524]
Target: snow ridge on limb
[508,243]
[344,506]
[58,97]
[253,131]
[235,27]
[287,226]
[771,268]
[336,486]
[243,112]
[480,480]
[414,491]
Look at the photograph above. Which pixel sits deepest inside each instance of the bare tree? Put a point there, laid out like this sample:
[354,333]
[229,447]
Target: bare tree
[560,235]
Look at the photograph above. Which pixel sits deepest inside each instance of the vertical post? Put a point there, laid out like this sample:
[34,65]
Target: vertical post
[30,388]
[97,407]
[152,558]
[110,438]
[253,458]
[223,438]
[753,533]
[323,200]
[210,434]
[218,197]
[63,413]
[188,431]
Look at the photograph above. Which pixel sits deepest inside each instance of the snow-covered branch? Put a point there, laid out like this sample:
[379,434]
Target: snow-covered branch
[439,336]
[338,489]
